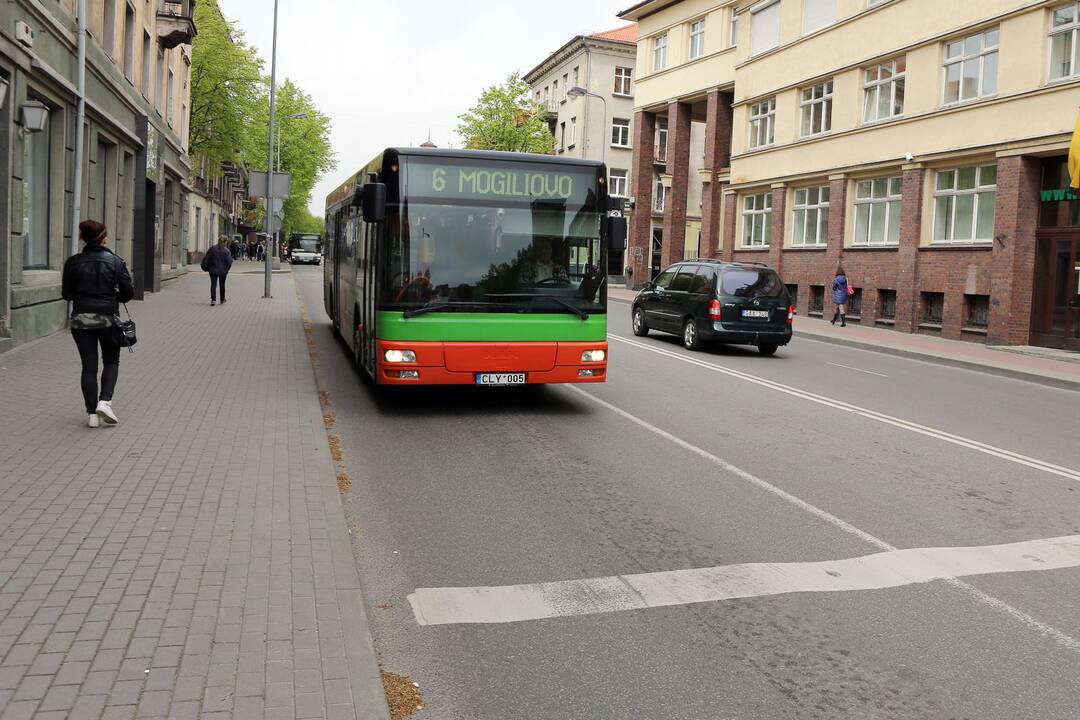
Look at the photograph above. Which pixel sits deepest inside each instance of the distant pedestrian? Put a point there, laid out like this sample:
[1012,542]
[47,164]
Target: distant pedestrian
[251,250]
[234,249]
[217,261]
[96,281]
[260,253]
[840,294]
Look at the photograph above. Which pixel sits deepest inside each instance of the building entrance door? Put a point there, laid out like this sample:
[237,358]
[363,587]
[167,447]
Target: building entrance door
[657,253]
[1057,290]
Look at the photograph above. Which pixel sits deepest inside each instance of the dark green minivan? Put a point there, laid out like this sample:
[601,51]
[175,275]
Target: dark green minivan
[713,301]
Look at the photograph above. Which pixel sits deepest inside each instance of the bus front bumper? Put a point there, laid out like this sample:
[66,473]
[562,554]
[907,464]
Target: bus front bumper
[462,363]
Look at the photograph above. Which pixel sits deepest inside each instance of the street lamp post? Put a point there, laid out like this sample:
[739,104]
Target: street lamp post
[269,268]
[576,92]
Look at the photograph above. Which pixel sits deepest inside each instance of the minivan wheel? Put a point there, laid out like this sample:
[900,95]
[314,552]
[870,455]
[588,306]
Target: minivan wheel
[640,328]
[767,349]
[690,337]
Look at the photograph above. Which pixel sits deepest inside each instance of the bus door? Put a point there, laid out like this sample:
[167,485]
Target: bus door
[366,291]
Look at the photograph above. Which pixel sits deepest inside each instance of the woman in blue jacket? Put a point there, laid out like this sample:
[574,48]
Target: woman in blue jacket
[840,295]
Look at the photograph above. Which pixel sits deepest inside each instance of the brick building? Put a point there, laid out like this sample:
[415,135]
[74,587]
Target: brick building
[135,164]
[920,144]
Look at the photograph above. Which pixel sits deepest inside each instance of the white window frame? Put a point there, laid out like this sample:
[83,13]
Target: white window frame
[573,133]
[754,13]
[624,76]
[1073,30]
[756,215]
[963,59]
[947,199]
[894,203]
[817,104]
[697,39]
[733,28]
[804,209]
[618,182]
[761,120]
[659,196]
[621,125]
[660,43]
[875,87]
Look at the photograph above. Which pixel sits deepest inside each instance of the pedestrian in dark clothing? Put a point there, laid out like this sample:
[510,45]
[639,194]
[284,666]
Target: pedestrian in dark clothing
[251,250]
[234,249]
[96,281]
[260,253]
[217,262]
[840,296]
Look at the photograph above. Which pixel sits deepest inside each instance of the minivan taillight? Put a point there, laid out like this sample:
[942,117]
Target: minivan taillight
[790,313]
[714,309]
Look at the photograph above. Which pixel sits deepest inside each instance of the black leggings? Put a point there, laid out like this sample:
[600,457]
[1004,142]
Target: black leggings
[87,341]
[215,281]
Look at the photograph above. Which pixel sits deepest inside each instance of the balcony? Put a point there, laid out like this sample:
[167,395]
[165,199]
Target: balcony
[175,22]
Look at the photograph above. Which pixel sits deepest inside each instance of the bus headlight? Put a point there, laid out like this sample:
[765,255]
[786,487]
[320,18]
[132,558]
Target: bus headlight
[593,356]
[399,356]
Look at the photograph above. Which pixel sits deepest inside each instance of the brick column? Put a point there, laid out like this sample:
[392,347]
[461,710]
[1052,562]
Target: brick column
[1012,273]
[834,248]
[907,261]
[717,155]
[731,218]
[777,225]
[678,165]
[640,240]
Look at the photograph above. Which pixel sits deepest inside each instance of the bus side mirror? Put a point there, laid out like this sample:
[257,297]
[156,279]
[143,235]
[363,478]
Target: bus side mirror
[616,234]
[374,202]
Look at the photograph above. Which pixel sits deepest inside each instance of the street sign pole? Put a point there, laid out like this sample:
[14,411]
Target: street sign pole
[270,163]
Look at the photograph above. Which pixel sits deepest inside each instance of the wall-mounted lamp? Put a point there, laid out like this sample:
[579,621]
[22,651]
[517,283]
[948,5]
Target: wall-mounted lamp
[4,85]
[33,116]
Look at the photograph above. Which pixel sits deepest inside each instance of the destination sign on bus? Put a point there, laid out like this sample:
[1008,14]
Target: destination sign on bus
[498,182]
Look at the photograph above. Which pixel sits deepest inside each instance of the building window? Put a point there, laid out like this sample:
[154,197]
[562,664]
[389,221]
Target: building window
[933,308]
[169,99]
[37,183]
[554,92]
[817,14]
[97,205]
[146,55]
[886,305]
[108,27]
[1064,41]
[661,140]
[697,39]
[765,28]
[811,217]
[565,86]
[658,197]
[129,42]
[854,304]
[659,57]
[877,211]
[971,66]
[733,28]
[883,87]
[816,108]
[160,79]
[573,132]
[757,220]
[623,77]
[817,300]
[562,136]
[977,311]
[964,204]
[620,133]
[618,183]
[577,77]
[762,116]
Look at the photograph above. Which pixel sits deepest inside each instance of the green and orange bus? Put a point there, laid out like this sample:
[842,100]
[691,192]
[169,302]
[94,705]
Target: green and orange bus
[448,267]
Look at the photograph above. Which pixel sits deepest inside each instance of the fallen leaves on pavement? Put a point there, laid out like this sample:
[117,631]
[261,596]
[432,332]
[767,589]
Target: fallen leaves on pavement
[402,695]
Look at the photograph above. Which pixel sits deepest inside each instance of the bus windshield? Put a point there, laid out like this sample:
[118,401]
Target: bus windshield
[496,236]
[305,244]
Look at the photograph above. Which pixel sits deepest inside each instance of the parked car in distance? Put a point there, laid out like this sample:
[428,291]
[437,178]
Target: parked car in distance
[712,301]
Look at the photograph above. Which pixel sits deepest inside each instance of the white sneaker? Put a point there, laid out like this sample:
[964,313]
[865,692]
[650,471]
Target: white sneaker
[105,412]
[93,421]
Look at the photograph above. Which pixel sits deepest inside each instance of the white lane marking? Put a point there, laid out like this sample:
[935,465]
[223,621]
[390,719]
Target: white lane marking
[868,372]
[1035,624]
[948,437]
[896,568]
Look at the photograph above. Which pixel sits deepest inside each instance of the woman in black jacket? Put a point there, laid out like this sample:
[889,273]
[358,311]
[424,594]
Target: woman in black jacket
[96,281]
[217,262]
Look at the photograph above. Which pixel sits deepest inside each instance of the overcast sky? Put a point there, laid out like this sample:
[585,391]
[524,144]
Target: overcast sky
[388,71]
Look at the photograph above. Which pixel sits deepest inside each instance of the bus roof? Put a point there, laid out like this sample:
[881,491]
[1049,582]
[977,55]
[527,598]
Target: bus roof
[346,189]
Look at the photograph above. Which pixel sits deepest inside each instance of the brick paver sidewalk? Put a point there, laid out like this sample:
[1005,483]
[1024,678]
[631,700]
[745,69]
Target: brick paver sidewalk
[192,562]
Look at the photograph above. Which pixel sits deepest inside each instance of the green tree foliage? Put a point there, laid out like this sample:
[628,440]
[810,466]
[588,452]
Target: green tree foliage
[227,88]
[309,223]
[506,118]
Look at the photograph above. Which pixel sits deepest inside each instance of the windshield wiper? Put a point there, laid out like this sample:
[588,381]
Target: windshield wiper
[436,307]
[541,296]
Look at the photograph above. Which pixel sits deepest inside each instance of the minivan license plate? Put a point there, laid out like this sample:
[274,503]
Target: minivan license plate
[500,378]
[759,314]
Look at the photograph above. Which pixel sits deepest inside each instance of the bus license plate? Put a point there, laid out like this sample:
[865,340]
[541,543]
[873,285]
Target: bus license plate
[500,378]
[756,314]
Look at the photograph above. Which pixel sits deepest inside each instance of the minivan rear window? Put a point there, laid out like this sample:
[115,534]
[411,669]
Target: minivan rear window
[751,282]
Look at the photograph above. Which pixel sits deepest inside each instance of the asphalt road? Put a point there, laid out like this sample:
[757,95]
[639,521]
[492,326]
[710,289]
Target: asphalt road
[694,460]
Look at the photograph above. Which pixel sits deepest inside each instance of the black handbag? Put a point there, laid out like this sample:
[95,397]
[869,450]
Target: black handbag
[123,331]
